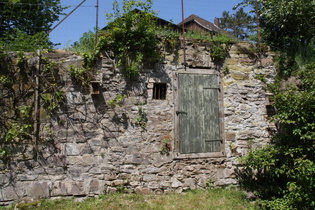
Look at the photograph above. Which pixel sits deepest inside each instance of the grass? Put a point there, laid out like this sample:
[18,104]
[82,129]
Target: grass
[213,199]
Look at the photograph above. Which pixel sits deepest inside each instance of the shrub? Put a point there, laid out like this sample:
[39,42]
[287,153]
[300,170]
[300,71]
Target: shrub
[283,173]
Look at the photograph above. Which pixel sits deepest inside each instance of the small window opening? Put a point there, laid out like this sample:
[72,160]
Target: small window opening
[159,91]
[95,88]
[270,110]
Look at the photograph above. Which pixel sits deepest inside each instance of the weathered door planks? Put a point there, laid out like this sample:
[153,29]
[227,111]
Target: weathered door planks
[198,113]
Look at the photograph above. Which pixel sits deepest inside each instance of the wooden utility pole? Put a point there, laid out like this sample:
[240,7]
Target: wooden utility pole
[258,33]
[183,34]
[258,23]
[37,105]
[96,23]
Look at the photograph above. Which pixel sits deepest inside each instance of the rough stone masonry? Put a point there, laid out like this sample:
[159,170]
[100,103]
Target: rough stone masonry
[117,137]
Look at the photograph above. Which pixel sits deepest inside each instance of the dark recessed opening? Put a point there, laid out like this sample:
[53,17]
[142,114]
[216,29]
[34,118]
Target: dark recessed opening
[95,88]
[159,91]
[270,110]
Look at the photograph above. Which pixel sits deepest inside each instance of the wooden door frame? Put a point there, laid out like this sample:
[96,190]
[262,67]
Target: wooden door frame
[176,153]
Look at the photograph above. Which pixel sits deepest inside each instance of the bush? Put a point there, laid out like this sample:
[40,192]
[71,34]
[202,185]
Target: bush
[283,173]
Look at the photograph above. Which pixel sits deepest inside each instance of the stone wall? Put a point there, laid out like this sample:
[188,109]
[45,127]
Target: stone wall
[102,147]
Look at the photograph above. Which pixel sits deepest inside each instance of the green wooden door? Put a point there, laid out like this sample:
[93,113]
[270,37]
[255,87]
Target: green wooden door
[198,113]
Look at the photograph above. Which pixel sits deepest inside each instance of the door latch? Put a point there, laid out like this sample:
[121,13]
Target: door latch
[180,112]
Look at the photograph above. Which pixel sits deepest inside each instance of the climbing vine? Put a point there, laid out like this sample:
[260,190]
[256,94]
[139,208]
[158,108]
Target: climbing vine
[130,34]
[17,101]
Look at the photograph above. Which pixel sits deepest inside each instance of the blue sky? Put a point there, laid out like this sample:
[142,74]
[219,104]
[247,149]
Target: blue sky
[84,18]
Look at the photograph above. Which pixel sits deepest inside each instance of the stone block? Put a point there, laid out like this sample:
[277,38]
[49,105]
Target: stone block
[71,149]
[189,168]
[231,61]
[95,170]
[135,183]
[143,190]
[117,183]
[75,173]
[75,188]
[230,136]
[159,160]
[74,97]
[87,149]
[96,186]
[247,61]
[239,76]
[66,133]
[202,182]
[190,183]
[38,189]
[150,170]
[135,100]
[149,178]
[91,134]
[58,189]
[11,193]
[78,116]
[153,185]
[137,159]
[111,190]
[175,183]
[4,178]
[165,184]
[27,177]
[67,188]
[227,82]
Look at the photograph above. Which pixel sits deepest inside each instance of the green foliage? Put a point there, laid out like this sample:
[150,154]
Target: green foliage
[240,24]
[169,38]
[52,100]
[283,172]
[27,205]
[218,52]
[221,38]
[20,41]
[219,48]
[287,25]
[261,77]
[17,87]
[166,145]
[132,35]
[231,199]
[141,119]
[116,101]
[226,70]
[80,75]
[25,23]
[85,45]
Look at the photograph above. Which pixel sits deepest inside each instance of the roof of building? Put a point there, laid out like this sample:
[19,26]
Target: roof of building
[206,25]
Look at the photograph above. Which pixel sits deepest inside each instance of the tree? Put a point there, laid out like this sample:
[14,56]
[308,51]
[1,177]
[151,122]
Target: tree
[287,25]
[240,24]
[29,17]
[85,44]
